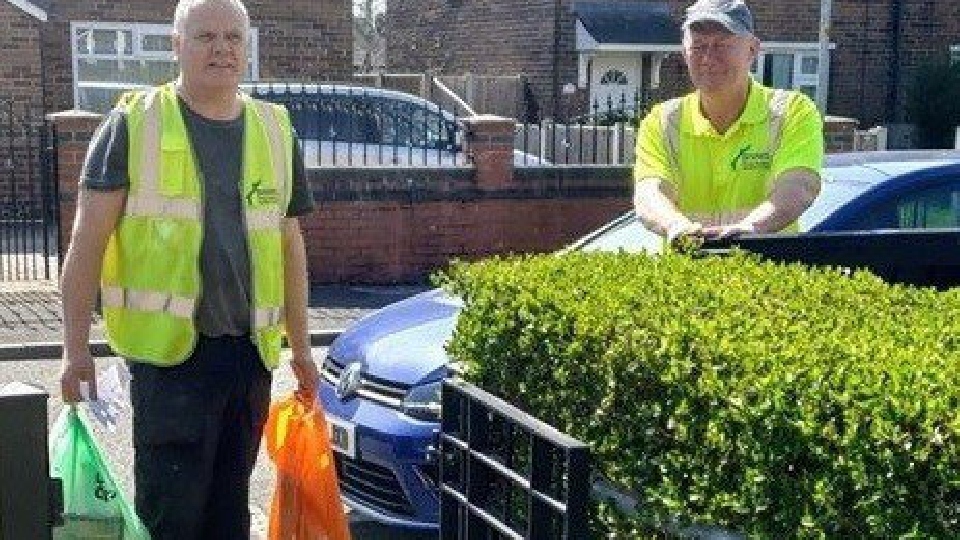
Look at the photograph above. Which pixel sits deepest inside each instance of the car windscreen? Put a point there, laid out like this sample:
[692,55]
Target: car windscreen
[365,118]
[628,234]
[408,124]
[840,186]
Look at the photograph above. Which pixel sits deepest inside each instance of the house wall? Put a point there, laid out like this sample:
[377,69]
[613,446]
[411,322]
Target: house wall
[485,37]
[298,39]
[20,43]
[869,82]
[500,37]
[21,110]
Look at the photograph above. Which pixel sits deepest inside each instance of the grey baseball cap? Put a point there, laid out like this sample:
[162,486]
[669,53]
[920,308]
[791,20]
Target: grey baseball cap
[734,15]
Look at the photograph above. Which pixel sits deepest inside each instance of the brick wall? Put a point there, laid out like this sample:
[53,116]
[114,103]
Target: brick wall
[21,141]
[486,37]
[20,46]
[298,39]
[373,226]
[868,82]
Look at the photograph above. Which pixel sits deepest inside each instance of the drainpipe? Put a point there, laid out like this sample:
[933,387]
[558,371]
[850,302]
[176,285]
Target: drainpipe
[823,60]
[43,71]
[896,13]
[864,48]
[555,106]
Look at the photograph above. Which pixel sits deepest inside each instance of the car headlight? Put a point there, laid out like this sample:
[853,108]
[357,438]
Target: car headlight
[423,402]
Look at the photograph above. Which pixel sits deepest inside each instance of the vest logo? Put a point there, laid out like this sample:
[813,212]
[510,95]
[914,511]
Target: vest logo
[261,196]
[746,160]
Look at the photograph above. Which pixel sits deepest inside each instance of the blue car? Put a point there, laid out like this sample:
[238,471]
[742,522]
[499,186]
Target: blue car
[381,379]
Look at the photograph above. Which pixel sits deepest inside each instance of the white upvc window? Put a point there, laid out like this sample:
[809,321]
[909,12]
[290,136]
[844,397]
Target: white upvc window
[955,54]
[792,66]
[110,58]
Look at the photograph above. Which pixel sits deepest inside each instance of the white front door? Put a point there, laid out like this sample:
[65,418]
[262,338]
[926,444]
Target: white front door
[614,82]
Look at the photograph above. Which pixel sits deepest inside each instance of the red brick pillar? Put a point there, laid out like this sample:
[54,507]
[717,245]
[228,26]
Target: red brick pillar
[74,130]
[489,142]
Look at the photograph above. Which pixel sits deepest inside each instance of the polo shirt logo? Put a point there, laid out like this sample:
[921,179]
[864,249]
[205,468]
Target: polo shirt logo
[745,160]
[261,196]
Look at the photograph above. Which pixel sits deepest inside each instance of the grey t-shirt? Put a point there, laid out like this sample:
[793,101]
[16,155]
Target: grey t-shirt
[225,299]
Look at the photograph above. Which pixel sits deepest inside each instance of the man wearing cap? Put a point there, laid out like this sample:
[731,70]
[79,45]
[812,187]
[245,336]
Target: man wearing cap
[734,156]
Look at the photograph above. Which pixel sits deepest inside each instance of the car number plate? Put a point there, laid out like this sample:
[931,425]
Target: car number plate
[342,436]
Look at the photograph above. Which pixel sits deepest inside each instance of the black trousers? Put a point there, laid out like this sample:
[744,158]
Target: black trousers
[196,432]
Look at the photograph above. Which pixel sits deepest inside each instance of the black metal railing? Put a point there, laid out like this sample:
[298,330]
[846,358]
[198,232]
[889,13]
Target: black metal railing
[29,209]
[505,474]
[340,125]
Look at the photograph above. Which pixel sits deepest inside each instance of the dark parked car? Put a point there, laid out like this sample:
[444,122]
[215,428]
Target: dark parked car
[340,125]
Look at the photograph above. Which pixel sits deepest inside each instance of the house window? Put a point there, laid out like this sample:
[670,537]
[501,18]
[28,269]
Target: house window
[793,67]
[955,54]
[110,58]
[614,76]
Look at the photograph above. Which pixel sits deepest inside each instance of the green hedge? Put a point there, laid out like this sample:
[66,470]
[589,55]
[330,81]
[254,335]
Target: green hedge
[775,400]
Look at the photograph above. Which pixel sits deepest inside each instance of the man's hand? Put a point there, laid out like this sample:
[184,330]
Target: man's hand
[78,371]
[685,234]
[307,374]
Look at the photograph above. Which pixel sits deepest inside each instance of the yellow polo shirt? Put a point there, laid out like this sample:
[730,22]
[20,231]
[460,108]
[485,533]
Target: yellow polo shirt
[732,172]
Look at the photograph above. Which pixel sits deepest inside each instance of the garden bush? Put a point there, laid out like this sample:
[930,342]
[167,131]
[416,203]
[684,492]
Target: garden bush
[774,400]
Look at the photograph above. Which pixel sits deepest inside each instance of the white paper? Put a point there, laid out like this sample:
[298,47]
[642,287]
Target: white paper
[111,402]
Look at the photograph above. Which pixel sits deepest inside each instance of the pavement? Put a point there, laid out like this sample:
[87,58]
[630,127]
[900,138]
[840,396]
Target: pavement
[31,318]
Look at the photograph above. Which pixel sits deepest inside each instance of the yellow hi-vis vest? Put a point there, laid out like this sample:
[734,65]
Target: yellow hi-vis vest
[150,279]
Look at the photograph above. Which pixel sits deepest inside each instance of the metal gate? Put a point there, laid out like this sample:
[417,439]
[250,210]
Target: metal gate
[505,475]
[29,209]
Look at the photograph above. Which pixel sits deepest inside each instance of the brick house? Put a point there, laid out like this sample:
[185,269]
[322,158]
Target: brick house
[81,53]
[568,49]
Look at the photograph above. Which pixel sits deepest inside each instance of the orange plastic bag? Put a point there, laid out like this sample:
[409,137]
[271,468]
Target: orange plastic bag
[306,504]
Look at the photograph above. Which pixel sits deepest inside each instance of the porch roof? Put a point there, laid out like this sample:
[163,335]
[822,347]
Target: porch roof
[36,8]
[641,23]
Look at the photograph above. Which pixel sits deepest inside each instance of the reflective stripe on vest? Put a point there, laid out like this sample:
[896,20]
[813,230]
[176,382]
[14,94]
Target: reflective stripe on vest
[178,306]
[277,151]
[266,317]
[146,201]
[149,208]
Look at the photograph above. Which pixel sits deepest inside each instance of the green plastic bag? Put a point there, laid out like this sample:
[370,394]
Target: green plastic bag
[94,506]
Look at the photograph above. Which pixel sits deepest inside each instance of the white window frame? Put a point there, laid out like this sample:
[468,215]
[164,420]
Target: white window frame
[799,52]
[138,31]
[955,54]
